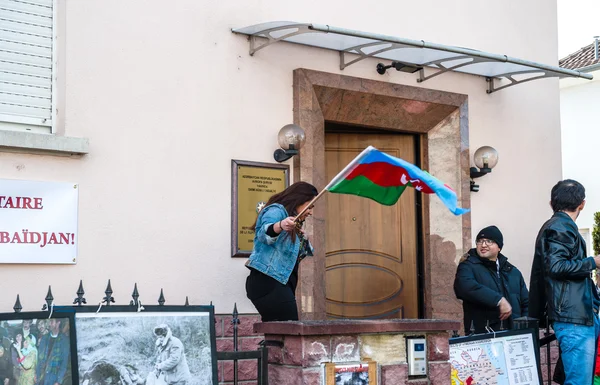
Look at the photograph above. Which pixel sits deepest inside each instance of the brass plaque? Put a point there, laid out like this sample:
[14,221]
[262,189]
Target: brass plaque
[253,184]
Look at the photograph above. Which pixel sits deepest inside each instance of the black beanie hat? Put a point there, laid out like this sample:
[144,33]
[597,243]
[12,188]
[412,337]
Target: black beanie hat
[493,233]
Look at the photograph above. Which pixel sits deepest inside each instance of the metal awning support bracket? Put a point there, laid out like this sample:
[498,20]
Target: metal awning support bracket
[443,69]
[513,82]
[273,35]
[360,51]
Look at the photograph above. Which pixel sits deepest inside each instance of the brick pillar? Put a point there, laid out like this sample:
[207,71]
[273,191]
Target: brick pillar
[307,345]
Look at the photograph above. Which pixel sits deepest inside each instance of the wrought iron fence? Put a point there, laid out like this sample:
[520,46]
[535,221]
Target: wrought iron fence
[261,354]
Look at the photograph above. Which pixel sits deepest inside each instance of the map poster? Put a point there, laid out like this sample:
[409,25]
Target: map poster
[503,358]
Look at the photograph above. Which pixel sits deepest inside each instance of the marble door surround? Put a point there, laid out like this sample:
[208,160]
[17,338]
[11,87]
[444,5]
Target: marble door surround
[440,119]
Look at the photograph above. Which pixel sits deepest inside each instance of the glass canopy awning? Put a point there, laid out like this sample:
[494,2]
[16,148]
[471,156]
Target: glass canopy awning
[428,59]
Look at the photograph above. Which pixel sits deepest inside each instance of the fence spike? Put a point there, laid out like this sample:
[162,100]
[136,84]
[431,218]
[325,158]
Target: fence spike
[80,300]
[135,295]
[161,298]
[17,308]
[49,299]
[235,320]
[109,298]
[187,302]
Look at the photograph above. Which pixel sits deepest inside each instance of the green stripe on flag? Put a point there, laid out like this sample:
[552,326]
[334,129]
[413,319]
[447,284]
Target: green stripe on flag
[362,186]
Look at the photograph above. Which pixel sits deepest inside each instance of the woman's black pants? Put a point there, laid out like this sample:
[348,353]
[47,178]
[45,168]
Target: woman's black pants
[277,303]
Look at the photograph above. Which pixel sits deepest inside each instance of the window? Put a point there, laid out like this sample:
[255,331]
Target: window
[27,65]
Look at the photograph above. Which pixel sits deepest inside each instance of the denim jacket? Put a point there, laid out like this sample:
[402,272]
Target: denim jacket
[274,256]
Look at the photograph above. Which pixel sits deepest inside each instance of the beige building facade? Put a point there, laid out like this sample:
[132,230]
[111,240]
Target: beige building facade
[156,99]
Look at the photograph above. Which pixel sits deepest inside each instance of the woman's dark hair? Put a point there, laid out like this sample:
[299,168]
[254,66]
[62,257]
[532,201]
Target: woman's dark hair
[292,197]
[567,195]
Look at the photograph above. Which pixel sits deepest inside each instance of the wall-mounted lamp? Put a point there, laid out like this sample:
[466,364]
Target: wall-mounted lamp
[399,66]
[485,158]
[291,139]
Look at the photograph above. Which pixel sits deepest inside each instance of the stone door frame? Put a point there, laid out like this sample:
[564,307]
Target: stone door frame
[441,120]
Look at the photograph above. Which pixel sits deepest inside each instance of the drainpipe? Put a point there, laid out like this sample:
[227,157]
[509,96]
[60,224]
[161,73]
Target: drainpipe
[596,47]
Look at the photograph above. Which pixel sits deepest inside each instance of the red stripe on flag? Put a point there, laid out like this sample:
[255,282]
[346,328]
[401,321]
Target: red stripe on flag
[387,175]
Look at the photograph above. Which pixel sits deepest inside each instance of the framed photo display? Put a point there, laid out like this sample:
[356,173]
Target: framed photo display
[159,345]
[360,373]
[37,347]
[252,185]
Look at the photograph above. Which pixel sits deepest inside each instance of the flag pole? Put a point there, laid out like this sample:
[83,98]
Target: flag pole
[310,204]
[346,170]
[342,174]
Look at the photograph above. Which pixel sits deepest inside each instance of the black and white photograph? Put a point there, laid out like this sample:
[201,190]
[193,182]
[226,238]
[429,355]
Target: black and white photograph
[35,351]
[145,348]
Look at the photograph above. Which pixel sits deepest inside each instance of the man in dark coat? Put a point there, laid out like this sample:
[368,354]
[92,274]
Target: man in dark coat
[562,290]
[492,289]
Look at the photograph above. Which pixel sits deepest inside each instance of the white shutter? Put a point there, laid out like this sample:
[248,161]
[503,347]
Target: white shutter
[26,62]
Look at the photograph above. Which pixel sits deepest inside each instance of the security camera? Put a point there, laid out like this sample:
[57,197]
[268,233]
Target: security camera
[399,66]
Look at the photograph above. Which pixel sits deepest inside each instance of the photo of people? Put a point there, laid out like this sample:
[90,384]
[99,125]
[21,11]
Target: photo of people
[35,352]
[144,348]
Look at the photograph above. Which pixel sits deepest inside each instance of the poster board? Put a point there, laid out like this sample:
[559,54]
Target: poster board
[38,340]
[502,358]
[137,345]
[252,185]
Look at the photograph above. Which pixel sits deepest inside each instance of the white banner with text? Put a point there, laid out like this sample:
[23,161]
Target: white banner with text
[38,221]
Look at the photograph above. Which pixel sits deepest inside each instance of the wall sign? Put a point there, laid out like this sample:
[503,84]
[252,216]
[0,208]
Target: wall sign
[252,186]
[38,222]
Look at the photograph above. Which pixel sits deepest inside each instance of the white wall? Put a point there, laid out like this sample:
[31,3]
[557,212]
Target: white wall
[168,96]
[580,125]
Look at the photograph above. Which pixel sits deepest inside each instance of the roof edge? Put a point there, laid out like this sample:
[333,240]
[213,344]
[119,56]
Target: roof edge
[591,68]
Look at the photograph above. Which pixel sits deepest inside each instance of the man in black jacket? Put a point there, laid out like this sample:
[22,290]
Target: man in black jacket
[562,290]
[492,289]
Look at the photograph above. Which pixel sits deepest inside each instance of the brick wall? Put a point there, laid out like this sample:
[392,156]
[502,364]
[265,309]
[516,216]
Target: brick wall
[391,374]
[247,340]
[299,362]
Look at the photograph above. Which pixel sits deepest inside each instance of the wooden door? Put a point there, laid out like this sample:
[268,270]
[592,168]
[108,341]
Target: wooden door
[371,249]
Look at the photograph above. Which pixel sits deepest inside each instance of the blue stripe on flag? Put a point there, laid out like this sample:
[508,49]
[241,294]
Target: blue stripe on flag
[447,196]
